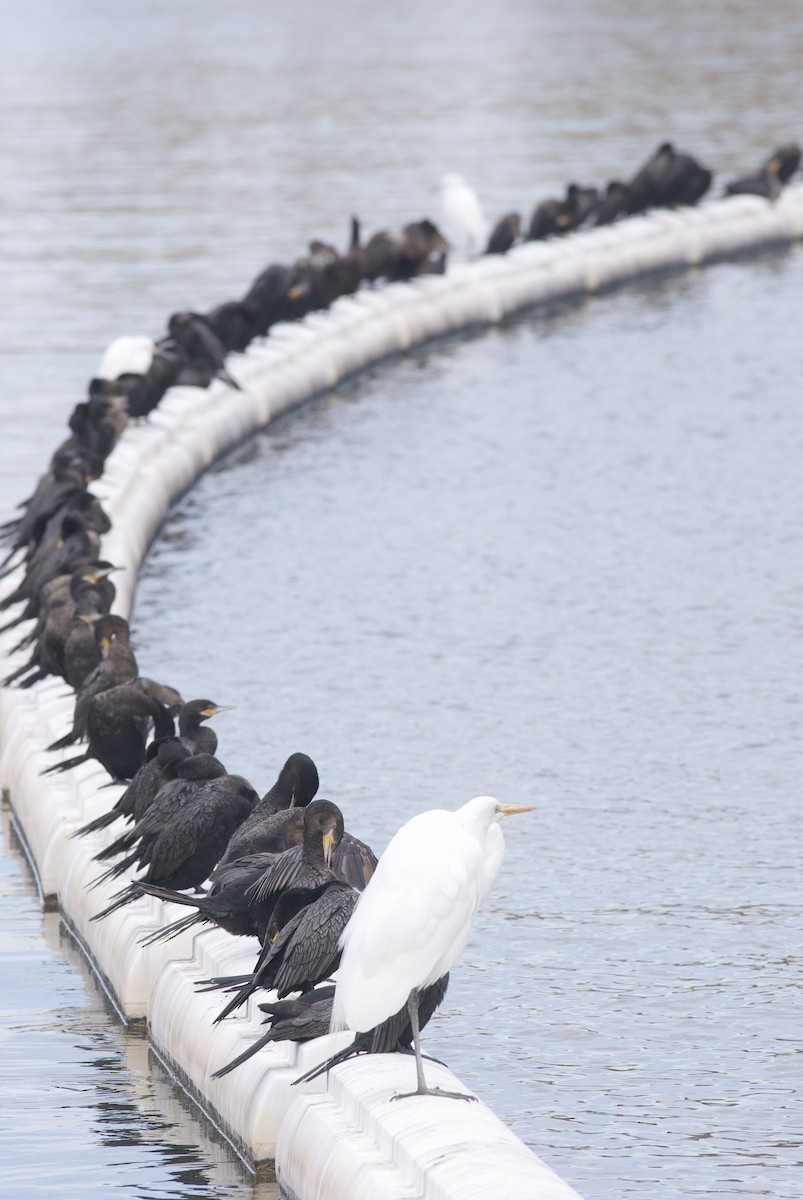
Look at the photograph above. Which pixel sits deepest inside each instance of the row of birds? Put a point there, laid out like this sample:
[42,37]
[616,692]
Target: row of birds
[669,177]
[279,867]
[193,350]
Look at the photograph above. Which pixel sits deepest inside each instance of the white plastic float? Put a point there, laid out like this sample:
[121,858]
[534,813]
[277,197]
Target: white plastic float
[351,1141]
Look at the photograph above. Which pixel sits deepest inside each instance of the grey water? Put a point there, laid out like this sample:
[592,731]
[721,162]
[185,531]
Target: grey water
[559,561]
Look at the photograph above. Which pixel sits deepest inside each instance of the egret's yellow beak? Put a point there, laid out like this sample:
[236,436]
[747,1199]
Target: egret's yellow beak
[510,810]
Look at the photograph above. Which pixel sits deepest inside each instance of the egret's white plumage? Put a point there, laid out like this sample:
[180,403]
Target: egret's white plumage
[414,917]
[462,216]
[131,354]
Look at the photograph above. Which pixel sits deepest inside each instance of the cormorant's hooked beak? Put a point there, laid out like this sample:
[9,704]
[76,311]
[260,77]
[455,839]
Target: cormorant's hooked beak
[214,709]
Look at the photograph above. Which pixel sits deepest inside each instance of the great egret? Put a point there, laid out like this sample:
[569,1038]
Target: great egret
[414,917]
[461,212]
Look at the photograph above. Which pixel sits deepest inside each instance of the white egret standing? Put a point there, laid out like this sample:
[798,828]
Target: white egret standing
[461,212]
[414,917]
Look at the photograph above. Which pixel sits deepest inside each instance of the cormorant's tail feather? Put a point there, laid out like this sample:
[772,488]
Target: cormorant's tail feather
[350,1051]
[63,742]
[67,765]
[115,871]
[222,983]
[173,929]
[246,1054]
[32,679]
[20,671]
[132,892]
[99,823]
[239,998]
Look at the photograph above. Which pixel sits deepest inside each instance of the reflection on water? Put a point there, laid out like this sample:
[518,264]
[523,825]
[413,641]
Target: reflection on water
[87,1108]
[640,682]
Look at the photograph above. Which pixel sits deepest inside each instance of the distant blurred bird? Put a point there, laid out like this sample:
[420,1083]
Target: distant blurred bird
[131,354]
[784,161]
[505,234]
[461,214]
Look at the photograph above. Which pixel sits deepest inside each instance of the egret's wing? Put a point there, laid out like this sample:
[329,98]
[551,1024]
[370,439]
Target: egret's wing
[412,921]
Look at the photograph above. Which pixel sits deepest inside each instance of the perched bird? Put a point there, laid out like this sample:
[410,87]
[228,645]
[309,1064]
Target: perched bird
[414,917]
[178,844]
[307,865]
[301,946]
[182,775]
[228,903]
[461,213]
[234,322]
[553,217]
[294,789]
[117,665]
[67,539]
[95,427]
[193,733]
[65,642]
[764,182]
[142,390]
[309,1016]
[548,218]
[309,860]
[613,204]
[506,232]
[130,354]
[668,177]
[395,1034]
[267,298]
[300,1019]
[117,724]
[784,161]
[768,181]
[66,475]
[161,757]
[203,352]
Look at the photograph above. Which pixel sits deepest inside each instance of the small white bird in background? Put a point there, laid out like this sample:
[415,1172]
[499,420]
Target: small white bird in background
[131,354]
[414,917]
[461,213]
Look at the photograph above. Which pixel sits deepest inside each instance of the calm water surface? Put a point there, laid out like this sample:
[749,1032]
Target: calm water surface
[559,562]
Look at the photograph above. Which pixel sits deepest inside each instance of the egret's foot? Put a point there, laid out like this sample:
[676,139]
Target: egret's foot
[435,1092]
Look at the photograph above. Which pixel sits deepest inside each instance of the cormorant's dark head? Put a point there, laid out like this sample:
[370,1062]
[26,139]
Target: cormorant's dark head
[110,629]
[297,782]
[323,820]
[198,767]
[100,569]
[194,712]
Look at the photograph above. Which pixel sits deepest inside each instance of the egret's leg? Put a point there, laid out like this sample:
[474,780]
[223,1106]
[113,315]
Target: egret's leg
[422,1089]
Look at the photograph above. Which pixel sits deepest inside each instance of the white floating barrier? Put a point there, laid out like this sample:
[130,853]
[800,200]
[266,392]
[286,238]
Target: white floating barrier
[348,1141]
